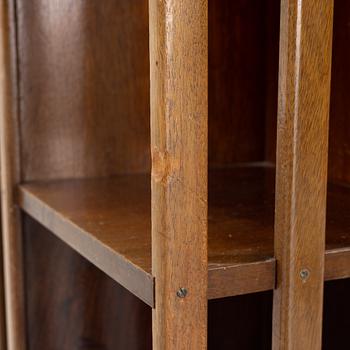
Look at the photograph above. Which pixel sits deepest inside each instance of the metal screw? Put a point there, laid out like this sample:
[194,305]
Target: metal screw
[182,292]
[304,274]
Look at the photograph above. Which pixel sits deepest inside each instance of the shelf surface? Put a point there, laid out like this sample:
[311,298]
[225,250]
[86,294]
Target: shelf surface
[108,221]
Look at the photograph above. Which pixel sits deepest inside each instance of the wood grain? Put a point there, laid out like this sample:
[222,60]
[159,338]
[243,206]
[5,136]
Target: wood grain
[243,41]
[86,310]
[105,220]
[10,176]
[179,131]
[108,221]
[302,144]
[236,77]
[84,88]
[83,100]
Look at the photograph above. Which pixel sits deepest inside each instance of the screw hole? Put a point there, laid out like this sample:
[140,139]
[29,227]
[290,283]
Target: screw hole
[304,274]
[181,293]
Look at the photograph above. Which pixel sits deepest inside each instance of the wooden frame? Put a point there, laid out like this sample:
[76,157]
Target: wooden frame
[178,48]
[10,177]
[301,182]
[180,274]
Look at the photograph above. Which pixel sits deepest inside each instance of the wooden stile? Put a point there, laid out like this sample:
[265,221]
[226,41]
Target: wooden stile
[10,176]
[304,91]
[179,107]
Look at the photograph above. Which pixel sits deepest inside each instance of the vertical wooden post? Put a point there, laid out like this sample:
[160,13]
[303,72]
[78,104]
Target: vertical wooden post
[179,108]
[9,179]
[304,92]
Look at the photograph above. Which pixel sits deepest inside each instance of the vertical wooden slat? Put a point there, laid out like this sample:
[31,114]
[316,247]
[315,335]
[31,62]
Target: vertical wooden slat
[179,108]
[304,90]
[2,303]
[2,296]
[9,178]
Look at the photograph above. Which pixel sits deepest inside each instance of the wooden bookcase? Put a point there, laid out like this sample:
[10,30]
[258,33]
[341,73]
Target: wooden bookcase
[157,155]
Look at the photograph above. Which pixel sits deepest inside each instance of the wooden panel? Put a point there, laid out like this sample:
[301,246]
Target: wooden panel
[179,113]
[105,220]
[243,76]
[10,175]
[250,329]
[242,323]
[84,86]
[236,78]
[339,128]
[85,309]
[272,23]
[336,323]
[108,222]
[304,89]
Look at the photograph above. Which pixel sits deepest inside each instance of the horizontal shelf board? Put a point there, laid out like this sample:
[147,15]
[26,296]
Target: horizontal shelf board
[105,220]
[108,221]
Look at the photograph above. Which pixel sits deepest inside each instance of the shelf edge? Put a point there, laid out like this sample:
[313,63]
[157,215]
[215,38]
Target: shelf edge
[137,281]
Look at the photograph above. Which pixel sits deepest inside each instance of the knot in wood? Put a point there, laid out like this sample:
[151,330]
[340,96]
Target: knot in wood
[163,166]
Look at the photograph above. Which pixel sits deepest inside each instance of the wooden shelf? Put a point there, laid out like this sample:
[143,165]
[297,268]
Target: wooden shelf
[108,222]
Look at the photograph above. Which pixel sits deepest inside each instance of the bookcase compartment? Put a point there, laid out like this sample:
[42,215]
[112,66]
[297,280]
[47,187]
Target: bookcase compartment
[243,79]
[338,205]
[82,170]
[83,69]
[85,157]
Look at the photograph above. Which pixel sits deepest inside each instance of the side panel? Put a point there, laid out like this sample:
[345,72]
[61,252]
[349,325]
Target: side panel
[10,176]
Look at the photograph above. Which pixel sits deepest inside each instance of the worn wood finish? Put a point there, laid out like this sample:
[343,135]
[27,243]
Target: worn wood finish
[108,222]
[105,220]
[179,131]
[304,89]
[84,88]
[10,176]
[88,310]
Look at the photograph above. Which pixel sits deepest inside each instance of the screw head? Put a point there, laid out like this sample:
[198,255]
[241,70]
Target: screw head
[181,293]
[304,274]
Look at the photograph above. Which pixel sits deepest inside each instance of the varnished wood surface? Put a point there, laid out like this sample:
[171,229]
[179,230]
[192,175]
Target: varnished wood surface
[301,174]
[10,176]
[179,148]
[243,67]
[111,218]
[72,305]
[84,88]
[106,220]
[236,76]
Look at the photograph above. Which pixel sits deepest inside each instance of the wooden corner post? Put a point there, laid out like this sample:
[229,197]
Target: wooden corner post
[11,234]
[179,113]
[304,93]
